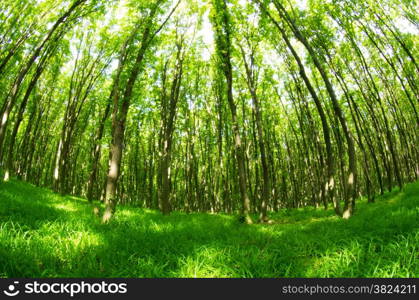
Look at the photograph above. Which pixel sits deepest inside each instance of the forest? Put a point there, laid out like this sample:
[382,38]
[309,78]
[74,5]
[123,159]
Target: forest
[209,138]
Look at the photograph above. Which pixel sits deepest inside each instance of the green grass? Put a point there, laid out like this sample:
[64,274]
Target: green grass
[43,234]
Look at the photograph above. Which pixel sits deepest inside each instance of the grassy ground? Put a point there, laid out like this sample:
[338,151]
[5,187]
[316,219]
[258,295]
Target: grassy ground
[45,235]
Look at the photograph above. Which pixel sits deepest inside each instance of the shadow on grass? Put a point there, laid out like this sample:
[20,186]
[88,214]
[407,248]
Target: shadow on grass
[44,235]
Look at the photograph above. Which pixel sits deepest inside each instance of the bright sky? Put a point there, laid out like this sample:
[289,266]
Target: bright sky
[406,27]
[207,36]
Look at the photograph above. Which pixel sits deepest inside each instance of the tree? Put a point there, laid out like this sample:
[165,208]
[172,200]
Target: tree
[220,19]
[121,102]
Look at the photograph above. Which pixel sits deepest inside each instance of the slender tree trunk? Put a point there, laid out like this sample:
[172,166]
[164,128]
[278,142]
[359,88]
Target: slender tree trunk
[96,153]
[224,50]
[251,83]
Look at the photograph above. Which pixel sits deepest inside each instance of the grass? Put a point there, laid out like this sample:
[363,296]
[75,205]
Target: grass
[43,234]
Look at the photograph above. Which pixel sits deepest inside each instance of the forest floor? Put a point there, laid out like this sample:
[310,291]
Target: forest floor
[43,234]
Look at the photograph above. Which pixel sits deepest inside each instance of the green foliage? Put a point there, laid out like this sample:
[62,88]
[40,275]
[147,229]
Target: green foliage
[43,234]
[65,89]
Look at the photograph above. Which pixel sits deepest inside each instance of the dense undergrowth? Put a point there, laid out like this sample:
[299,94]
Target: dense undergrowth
[43,234]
